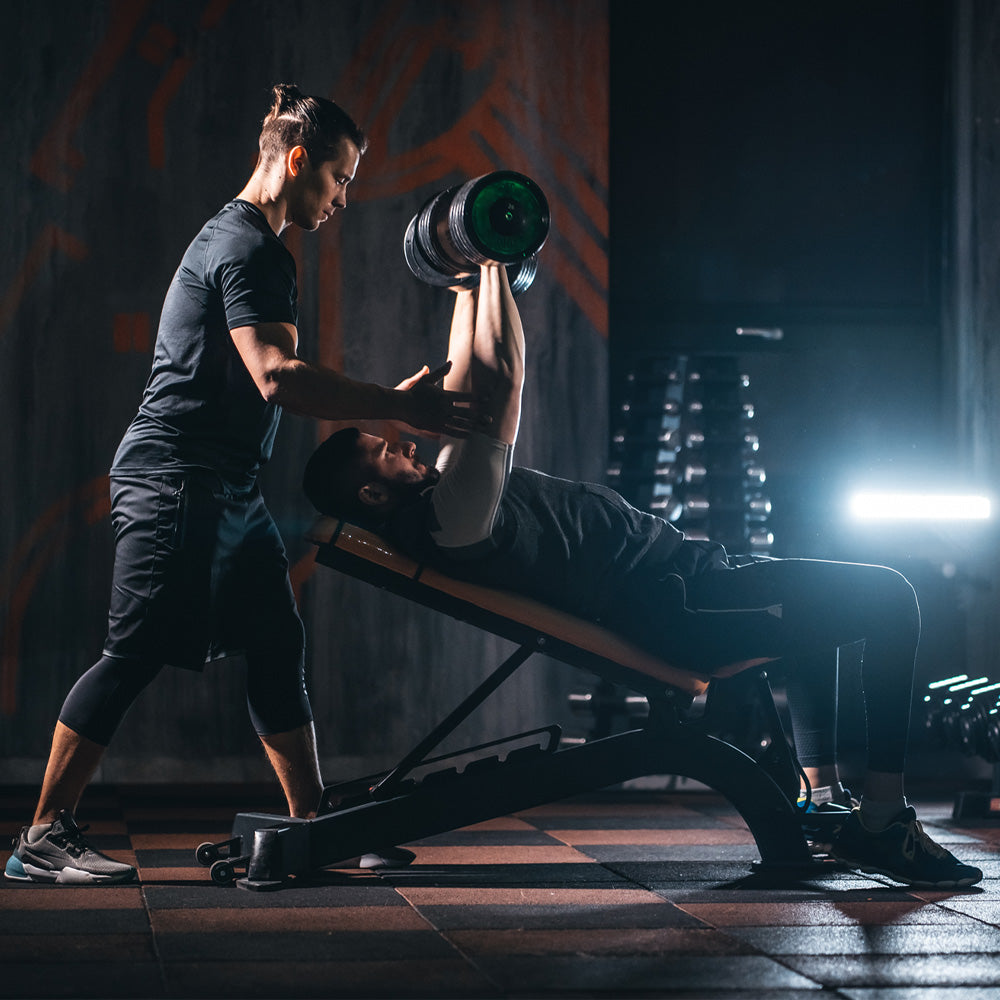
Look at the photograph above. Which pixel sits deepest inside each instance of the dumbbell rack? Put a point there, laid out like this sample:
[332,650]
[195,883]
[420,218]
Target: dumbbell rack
[963,714]
[683,447]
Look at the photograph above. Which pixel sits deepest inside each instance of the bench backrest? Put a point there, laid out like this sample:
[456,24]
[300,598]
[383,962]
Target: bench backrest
[371,557]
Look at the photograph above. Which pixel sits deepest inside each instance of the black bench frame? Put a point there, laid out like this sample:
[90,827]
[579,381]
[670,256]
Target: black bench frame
[423,796]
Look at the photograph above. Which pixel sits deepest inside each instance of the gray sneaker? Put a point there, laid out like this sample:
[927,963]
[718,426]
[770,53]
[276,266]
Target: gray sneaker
[62,855]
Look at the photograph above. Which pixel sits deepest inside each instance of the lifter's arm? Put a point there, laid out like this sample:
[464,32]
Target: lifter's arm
[497,368]
[463,327]
[268,351]
[467,498]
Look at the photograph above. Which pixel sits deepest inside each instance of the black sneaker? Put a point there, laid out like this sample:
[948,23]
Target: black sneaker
[821,823]
[903,852]
[62,855]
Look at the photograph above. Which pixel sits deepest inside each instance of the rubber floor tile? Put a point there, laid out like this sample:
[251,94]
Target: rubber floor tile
[985,908]
[523,837]
[698,870]
[590,916]
[400,980]
[178,841]
[301,919]
[954,837]
[935,939]
[41,896]
[330,946]
[596,942]
[976,851]
[919,993]
[985,892]
[688,836]
[183,858]
[259,797]
[532,896]
[551,853]
[617,977]
[512,823]
[207,895]
[898,970]
[62,948]
[512,874]
[70,922]
[613,806]
[219,817]
[746,855]
[632,821]
[161,876]
[821,913]
[683,893]
[83,980]
[210,828]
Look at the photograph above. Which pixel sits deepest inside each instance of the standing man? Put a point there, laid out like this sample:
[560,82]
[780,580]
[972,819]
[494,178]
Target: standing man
[200,569]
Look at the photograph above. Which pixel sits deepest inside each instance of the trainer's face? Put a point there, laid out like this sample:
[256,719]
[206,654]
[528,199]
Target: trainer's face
[395,464]
[318,192]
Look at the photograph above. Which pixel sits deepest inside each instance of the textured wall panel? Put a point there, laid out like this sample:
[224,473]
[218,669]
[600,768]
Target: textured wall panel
[135,122]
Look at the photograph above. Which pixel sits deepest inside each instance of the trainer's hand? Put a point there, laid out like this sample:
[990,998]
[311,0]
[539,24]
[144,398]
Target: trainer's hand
[409,383]
[428,407]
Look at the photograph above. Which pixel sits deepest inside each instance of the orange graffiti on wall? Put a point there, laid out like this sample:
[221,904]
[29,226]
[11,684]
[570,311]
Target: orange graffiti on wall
[541,108]
[544,116]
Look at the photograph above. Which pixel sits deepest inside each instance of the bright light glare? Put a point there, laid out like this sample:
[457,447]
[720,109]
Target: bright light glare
[918,507]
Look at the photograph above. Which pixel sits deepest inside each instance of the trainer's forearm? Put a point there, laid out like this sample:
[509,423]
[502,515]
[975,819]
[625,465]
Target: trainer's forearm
[314,391]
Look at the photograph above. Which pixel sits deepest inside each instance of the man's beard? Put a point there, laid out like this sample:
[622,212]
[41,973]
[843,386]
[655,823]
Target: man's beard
[408,492]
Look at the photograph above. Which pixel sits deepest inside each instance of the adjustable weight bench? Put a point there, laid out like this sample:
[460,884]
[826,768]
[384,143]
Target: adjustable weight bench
[424,795]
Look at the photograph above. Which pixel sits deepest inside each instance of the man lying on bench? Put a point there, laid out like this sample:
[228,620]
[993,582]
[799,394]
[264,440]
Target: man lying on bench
[582,548]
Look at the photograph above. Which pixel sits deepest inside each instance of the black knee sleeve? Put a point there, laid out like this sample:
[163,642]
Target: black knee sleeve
[99,700]
[276,686]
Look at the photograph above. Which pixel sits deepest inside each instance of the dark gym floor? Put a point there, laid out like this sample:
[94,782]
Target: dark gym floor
[613,895]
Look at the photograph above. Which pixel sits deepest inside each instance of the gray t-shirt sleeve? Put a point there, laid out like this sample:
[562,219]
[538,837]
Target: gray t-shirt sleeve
[257,282]
[467,497]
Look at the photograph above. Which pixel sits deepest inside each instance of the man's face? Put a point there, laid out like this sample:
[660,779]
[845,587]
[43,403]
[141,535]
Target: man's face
[318,192]
[394,464]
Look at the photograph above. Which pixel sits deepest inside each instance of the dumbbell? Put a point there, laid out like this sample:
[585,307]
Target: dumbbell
[498,218]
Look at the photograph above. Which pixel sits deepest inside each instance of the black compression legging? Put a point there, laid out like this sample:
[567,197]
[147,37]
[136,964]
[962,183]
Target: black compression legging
[94,708]
[799,610]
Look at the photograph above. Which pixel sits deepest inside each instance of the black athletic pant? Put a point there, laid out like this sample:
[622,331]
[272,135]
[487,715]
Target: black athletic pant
[200,569]
[801,611]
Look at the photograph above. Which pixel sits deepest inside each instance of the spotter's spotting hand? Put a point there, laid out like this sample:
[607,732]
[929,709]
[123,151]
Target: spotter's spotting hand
[438,410]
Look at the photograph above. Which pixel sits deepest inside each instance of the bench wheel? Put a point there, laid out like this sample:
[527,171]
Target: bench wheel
[223,872]
[206,854]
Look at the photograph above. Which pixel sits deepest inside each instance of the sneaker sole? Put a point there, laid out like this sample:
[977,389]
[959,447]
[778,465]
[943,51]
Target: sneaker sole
[67,876]
[963,883]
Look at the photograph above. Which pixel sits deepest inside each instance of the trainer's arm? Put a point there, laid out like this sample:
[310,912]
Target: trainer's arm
[268,351]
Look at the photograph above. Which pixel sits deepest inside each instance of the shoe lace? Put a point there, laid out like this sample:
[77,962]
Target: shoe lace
[72,840]
[915,835]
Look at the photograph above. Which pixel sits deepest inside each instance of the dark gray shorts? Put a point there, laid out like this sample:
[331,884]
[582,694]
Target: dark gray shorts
[200,573]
